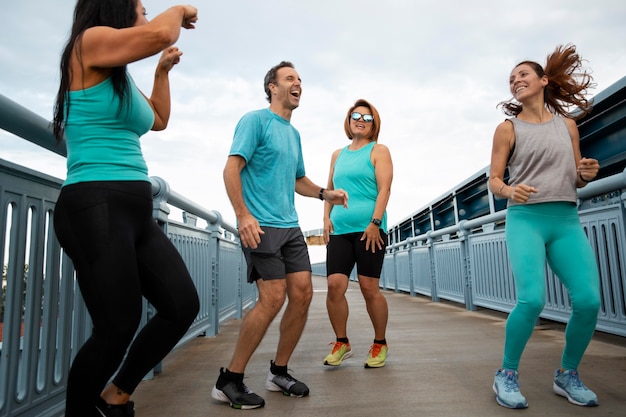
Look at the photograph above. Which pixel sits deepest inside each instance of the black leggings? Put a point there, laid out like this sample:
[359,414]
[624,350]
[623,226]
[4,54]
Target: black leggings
[120,254]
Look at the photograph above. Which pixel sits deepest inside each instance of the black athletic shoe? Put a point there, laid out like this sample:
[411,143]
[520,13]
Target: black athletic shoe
[235,393]
[110,410]
[287,384]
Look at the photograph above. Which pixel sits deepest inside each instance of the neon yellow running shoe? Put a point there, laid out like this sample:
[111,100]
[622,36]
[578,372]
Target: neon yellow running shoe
[377,356]
[340,352]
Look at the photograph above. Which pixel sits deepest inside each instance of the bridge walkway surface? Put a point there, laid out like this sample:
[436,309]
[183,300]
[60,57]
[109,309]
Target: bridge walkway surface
[441,362]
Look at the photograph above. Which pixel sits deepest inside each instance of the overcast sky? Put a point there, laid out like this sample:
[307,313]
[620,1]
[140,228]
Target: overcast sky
[435,70]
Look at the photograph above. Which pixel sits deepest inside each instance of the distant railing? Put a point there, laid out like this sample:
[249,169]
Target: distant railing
[43,320]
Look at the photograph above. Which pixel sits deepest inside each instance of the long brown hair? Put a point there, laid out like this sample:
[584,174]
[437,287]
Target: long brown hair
[568,83]
[89,13]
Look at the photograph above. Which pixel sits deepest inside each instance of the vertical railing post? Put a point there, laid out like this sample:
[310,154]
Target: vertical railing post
[160,194]
[214,257]
[433,266]
[467,265]
[411,268]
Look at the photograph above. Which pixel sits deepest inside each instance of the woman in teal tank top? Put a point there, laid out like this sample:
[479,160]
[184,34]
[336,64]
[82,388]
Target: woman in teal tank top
[103,217]
[540,146]
[355,235]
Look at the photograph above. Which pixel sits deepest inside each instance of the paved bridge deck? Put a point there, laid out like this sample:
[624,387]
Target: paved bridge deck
[441,363]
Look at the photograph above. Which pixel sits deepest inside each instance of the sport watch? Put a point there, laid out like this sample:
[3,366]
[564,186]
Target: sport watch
[376,222]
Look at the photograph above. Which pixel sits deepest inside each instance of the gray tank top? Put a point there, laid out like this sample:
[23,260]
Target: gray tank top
[543,158]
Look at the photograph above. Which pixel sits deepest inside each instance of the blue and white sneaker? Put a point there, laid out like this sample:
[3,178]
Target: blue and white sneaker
[506,387]
[569,385]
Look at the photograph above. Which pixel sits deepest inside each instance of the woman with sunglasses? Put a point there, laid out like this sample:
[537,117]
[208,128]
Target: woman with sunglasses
[356,234]
[540,146]
[103,216]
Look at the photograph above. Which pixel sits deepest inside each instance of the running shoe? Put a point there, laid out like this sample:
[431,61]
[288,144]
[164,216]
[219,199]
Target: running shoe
[569,385]
[236,393]
[506,387]
[340,352]
[287,384]
[377,356]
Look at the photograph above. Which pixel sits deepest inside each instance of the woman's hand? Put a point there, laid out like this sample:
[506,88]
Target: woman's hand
[328,229]
[521,193]
[169,58]
[588,169]
[190,17]
[372,238]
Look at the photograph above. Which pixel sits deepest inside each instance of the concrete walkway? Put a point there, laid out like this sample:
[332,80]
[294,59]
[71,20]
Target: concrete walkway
[441,363]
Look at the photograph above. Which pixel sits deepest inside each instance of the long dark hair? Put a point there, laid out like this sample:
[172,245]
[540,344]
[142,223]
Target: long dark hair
[117,14]
[568,83]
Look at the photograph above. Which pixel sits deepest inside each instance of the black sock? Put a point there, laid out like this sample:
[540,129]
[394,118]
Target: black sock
[343,339]
[381,342]
[278,370]
[228,375]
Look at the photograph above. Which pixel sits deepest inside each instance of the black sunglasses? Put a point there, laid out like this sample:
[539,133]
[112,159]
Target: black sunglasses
[367,118]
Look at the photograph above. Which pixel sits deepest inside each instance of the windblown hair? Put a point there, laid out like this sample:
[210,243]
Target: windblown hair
[375,123]
[270,77]
[117,14]
[568,83]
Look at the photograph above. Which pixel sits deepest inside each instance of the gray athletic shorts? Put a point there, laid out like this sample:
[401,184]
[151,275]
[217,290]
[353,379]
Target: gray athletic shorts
[281,251]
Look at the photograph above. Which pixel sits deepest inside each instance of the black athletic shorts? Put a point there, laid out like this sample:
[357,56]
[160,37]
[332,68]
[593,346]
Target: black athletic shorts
[344,251]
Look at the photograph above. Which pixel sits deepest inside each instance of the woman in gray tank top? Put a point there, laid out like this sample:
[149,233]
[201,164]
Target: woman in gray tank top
[540,146]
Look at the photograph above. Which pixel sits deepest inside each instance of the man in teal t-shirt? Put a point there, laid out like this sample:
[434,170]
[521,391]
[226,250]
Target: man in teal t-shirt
[263,170]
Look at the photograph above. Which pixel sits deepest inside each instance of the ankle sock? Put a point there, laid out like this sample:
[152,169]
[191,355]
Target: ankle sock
[343,339]
[381,341]
[278,370]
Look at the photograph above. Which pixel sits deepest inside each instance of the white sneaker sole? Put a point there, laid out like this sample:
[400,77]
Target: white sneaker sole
[220,396]
[560,391]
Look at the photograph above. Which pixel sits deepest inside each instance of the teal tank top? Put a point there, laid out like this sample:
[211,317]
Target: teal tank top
[102,141]
[354,173]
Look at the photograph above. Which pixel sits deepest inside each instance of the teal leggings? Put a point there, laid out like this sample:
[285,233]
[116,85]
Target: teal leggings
[550,231]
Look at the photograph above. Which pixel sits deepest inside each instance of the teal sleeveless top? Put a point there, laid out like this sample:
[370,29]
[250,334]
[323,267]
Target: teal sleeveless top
[354,173]
[102,140]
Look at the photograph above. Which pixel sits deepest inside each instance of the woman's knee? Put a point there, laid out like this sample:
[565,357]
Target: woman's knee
[370,287]
[531,306]
[337,286]
[588,305]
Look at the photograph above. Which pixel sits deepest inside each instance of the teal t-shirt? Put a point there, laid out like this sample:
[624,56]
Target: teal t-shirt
[355,173]
[273,153]
[102,141]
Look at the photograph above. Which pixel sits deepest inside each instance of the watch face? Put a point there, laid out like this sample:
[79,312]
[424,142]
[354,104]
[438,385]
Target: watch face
[376,222]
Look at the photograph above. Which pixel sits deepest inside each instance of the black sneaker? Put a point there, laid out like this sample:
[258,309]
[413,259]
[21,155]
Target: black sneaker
[118,410]
[235,393]
[287,384]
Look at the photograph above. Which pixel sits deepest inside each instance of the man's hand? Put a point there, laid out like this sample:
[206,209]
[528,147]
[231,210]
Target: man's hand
[249,231]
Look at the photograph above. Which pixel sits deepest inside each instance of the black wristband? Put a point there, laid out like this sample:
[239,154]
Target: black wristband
[321,195]
[582,179]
